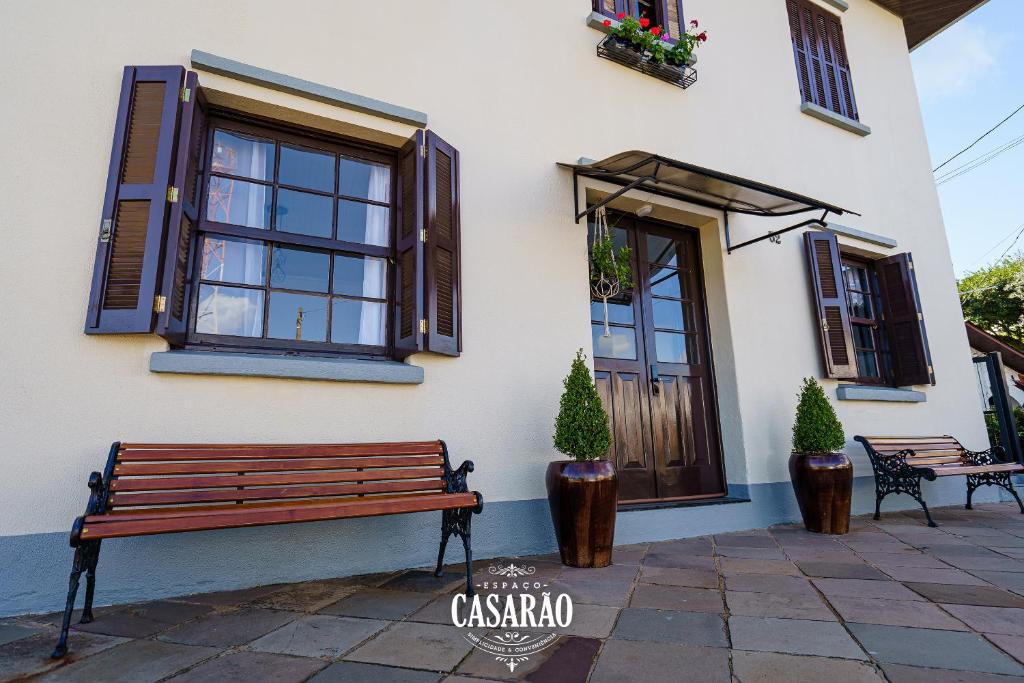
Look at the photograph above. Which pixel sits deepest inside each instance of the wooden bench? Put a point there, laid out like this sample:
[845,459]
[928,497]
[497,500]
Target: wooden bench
[900,462]
[167,488]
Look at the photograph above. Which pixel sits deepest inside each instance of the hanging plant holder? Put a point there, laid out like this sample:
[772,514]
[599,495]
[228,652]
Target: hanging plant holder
[610,274]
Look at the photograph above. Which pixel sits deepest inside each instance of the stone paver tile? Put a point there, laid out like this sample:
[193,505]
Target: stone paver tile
[134,662]
[231,598]
[967,595]
[897,673]
[783,606]
[576,655]
[694,578]
[246,667]
[629,554]
[814,555]
[27,656]
[933,649]
[746,541]
[423,581]
[439,611]
[228,629]
[1014,645]
[375,603]
[915,613]
[310,596]
[884,560]
[677,598]
[626,660]
[769,583]
[571,662]
[687,546]
[840,570]
[1005,620]
[416,646]
[991,564]
[751,553]
[684,560]
[12,632]
[590,621]
[736,565]
[793,636]
[458,678]
[610,593]
[772,667]
[354,672]
[1014,552]
[318,635]
[864,588]
[661,626]
[615,572]
[123,623]
[1013,581]
[169,611]
[926,575]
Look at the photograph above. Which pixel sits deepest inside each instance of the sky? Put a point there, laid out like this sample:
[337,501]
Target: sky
[969,78]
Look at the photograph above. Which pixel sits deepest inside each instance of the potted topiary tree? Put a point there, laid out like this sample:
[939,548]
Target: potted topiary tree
[582,491]
[822,476]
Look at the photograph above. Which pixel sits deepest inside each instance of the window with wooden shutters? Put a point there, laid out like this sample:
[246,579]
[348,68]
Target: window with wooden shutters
[822,66]
[665,13]
[832,315]
[911,358]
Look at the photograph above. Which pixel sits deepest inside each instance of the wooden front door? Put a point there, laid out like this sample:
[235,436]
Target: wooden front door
[653,369]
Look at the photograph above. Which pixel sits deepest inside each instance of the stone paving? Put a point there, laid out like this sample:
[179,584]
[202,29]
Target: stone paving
[892,600]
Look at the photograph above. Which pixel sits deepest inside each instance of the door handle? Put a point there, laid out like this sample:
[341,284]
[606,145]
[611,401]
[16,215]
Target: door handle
[655,380]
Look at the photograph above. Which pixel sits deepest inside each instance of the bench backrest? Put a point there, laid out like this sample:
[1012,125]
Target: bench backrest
[155,475]
[929,451]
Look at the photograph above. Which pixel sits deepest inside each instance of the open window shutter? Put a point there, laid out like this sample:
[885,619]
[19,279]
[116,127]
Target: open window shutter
[808,52]
[800,50]
[408,316]
[184,213]
[908,342]
[442,248]
[833,317]
[838,85]
[130,245]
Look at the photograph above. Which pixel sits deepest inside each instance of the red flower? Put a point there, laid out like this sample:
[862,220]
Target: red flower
[607,22]
[644,22]
[694,23]
[703,36]
[620,16]
[656,31]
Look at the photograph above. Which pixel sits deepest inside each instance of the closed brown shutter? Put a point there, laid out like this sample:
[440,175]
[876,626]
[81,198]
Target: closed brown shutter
[442,248]
[819,50]
[832,315]
[130,246]
[408,316]
[908,341]
[837,67]
[184,213]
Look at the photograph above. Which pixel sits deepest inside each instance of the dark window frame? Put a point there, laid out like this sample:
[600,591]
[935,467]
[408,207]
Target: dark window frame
[876,323]
[291,135]
[632,7]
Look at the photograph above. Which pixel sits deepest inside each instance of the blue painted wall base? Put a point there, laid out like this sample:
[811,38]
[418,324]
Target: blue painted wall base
[33,578]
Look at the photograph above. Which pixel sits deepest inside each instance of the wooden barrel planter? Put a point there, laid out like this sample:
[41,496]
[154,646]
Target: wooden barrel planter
[583,500]
[823,484]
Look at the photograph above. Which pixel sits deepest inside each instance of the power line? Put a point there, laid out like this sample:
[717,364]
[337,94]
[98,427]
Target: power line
[979,161]
[1015,239]
[990,130]
[994,247]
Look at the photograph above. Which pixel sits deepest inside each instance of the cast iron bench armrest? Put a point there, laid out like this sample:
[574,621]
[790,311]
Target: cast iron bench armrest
[992,456]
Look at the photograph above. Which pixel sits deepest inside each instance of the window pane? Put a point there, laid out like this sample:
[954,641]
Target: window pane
[297,316]
[862,337]
[360,276]
[357,322]
[675,348]
[365,180]
[662,250]
[304,213]
[238,202]
[295,268]
[230,310]
[617,313]
[621,343]
[242,155]
[306,168]
[363,223]
[860,305]
[228,259]
[668,282]
[673,315]
[867,364]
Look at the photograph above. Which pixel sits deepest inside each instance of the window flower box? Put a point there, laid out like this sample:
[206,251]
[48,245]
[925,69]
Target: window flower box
[627,55]
[636,44]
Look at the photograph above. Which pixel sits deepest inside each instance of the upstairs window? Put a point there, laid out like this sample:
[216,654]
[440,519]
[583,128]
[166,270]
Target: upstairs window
[822,67]
[665,13]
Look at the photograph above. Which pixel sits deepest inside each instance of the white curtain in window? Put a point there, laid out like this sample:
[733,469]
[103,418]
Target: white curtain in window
[371,317]
[257,193]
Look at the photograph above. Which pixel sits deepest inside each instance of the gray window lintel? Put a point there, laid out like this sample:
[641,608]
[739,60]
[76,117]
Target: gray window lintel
[861,392]
[289,367]
[862,235]
[829,116]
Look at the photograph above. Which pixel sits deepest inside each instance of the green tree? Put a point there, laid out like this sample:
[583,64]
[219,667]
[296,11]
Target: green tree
[816,428]
[581,428]
[993,299]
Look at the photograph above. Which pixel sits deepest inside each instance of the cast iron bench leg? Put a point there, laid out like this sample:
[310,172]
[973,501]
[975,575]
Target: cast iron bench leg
[92,553]
[1001,479]
[445,533]
[457,522]
[927,514]
[77,566]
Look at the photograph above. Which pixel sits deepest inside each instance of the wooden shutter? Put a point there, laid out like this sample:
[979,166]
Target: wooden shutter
[837,67]
[819,50]
[908,342]
[408,310]
[135,207]
[442,248]
[831,312]
[184,213]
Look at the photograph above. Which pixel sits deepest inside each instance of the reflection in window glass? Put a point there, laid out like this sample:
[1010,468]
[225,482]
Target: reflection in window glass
[302,317]
[304,213]
[229,310]
[229,259]
[360,276]
[662,250]
[357,322]
[668,282]
[621,343]
[617,313]
[238,203]
[242,155]
[672,315]
[297,268]
[675,348]
[306,168]
[363,223]
[867,364]
[365,180]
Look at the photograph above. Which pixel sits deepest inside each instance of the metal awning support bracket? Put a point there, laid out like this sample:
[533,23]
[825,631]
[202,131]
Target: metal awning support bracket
[775,237]
[607,200]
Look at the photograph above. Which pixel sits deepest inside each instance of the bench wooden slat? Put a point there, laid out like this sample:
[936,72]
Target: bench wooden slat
[943,460]
[235,467]
[122,500]
[950,471]
[159,452]
[178,483]
[365,507]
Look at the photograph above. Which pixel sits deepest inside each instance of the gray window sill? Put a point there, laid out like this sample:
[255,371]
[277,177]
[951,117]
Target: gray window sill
[840,5]
[265,365]
[829,116]
[860,392]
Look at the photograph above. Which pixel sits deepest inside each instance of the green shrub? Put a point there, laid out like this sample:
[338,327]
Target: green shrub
[581,428]
[816,428]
